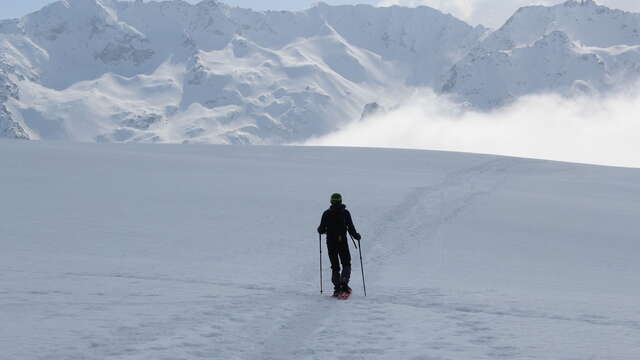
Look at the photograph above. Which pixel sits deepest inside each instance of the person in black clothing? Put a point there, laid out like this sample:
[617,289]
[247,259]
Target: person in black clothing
[336,221]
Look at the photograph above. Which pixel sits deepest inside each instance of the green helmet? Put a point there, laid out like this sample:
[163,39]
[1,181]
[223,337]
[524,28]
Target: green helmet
[336,198]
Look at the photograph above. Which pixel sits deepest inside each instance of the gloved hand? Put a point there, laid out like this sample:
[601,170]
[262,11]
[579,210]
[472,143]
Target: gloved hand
[358,237]
[320,231]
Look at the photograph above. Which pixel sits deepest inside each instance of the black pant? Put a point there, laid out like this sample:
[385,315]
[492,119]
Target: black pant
[339,254]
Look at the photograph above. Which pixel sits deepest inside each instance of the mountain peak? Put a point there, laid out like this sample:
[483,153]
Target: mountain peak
[210,3]
[73,11]
[582,20]
[571,3]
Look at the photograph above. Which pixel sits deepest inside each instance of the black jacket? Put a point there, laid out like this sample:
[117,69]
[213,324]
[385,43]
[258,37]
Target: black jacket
[336,221]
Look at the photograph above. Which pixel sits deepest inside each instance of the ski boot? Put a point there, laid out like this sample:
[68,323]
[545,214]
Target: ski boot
[336,292]
[345,292]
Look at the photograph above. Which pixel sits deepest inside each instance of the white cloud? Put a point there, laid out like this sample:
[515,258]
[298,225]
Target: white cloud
[493,13]
[588,130]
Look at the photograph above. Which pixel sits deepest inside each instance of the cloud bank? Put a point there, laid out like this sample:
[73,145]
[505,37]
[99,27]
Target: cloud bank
[493,13]
[593,130]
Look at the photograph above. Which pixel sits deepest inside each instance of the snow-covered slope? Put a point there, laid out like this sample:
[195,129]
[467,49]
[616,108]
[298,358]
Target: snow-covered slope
[489,79]
[210,252]
[9,128]
[575,47]
[583,21]
[171,71]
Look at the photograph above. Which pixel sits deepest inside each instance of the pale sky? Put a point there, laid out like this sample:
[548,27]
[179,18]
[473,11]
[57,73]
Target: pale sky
[492,13]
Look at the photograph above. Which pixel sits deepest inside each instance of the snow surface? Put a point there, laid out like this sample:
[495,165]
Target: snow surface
[210,252]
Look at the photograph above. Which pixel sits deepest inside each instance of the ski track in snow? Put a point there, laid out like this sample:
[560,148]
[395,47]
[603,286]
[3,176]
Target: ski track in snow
[155,316]
[426,209]
[405,221]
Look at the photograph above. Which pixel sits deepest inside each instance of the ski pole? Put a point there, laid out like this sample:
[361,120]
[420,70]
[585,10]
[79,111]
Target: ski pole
[320,245]
[364,286]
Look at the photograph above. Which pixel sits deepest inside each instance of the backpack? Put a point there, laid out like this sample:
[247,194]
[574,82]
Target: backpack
[337,223]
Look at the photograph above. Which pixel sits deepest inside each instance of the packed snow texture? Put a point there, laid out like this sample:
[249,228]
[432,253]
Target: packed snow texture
[121,71]
[210,252]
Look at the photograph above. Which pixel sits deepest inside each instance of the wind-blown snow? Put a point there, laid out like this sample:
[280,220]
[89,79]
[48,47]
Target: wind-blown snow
[210,252]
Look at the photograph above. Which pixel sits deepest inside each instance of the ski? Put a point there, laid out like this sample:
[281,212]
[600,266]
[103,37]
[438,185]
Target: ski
[344,296]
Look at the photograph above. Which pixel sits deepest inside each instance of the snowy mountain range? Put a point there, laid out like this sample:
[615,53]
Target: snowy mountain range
[117,71]
[575,47]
